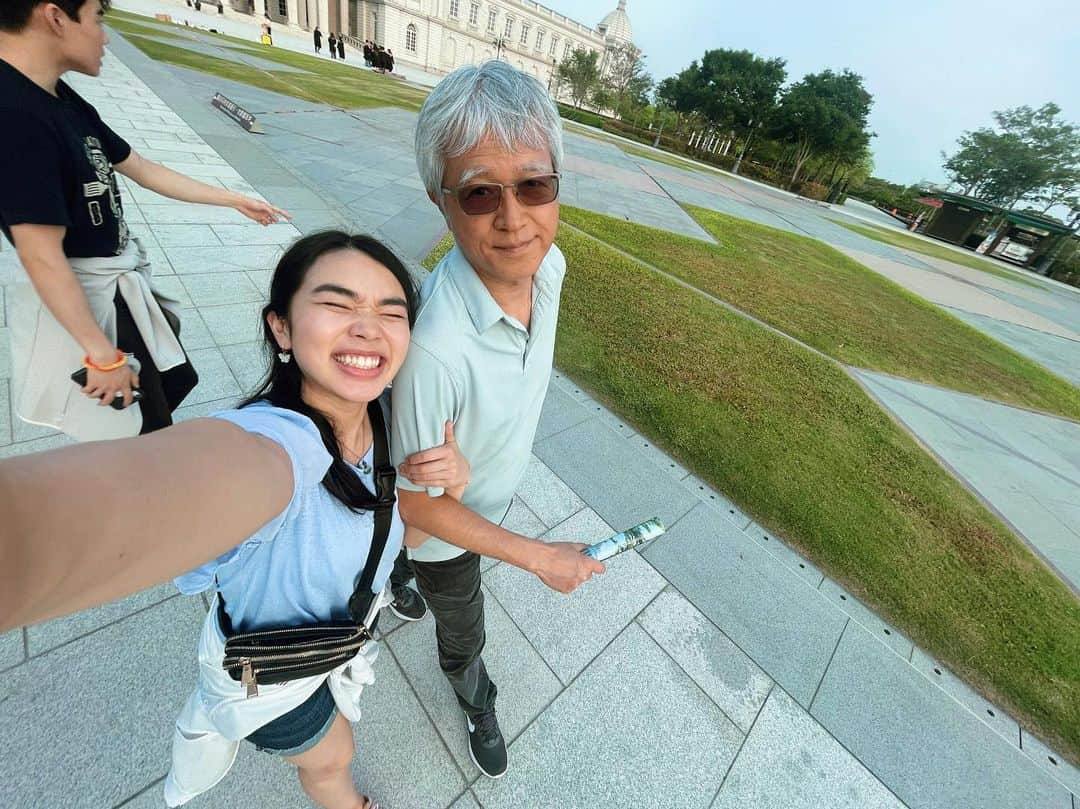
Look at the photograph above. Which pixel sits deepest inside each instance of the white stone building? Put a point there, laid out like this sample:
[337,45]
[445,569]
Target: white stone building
[439,35]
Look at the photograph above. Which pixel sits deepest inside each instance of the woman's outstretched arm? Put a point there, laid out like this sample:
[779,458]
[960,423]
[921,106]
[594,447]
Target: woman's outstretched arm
[87,524]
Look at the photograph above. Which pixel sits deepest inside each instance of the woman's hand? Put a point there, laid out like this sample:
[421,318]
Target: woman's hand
[262,212]
[443,466]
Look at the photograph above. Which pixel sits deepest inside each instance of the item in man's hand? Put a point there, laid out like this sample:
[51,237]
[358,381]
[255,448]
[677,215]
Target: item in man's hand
[79,378]
[624,541]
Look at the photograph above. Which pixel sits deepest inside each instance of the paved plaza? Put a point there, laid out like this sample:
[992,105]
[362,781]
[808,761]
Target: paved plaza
[714,668]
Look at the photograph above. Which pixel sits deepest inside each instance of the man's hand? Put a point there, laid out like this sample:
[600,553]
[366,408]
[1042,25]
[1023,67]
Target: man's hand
[105,385]
[563,567]
[262,212]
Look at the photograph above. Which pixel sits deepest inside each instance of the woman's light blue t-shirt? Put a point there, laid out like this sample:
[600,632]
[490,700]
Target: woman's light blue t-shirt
[302,565]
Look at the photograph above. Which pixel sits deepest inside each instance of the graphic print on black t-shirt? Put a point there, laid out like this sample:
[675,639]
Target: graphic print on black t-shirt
[104,186]
[57,158]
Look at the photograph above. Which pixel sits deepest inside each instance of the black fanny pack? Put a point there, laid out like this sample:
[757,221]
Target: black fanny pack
[271,656]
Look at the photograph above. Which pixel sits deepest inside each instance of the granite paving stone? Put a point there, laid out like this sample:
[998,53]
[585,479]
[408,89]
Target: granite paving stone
[50,634]
[546,496]
[526,684]
[790,762]
[799,564]
[171,287]
[787,627]
[252,234]
[11,649]
[713,498]
[466,801]
[193,331]
[621,485]
[5,352]
[650,739]
[854,608]
[927,748]
[35,445]
[521,520]
[185,236]
[248,363]
[223,259]
[985,711]
[215,379]
[187,214]
[560,412]
[234,323]
[203,409]
[215,289]
[570,630]
[58,709]
[730,679]
[1051,762]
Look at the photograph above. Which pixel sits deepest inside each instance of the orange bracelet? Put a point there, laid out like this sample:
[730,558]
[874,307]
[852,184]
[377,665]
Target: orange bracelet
[121,361]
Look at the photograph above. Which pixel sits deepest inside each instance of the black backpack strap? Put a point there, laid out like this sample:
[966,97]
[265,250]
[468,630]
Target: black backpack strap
[385,480]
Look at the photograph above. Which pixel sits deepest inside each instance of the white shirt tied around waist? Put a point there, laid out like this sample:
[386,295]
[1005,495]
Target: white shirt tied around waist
[44,355]
[218,715]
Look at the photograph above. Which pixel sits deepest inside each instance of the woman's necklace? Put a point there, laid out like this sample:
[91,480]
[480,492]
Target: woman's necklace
[362,464]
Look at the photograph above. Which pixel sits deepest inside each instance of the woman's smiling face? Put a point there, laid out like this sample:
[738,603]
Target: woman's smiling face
[347,328]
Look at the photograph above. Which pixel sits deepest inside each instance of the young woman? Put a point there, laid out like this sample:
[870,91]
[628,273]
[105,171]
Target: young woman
[273,505]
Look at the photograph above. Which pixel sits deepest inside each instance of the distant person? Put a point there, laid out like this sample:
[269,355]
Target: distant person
[331,43]
[198,5]
[341,46]
[367,52]
[318,40]
[389,60]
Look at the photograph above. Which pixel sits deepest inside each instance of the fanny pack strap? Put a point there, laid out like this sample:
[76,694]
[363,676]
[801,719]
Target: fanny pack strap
[385,480]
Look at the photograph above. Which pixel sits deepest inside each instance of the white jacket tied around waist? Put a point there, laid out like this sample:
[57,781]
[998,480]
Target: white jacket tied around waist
[218,714]
[44,355]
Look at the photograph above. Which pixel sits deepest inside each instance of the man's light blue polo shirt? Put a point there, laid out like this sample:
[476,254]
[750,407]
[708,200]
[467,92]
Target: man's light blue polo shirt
[472,363]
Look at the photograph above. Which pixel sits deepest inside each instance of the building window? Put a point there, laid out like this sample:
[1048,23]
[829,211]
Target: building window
[454,4]
[567,50]
[524,33]
[492,14]
[539,40]
[474,14]
[508,30]
[554,46]
[283,8]
[410,38]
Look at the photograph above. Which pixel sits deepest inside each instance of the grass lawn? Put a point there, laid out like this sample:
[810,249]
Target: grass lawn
[797,443]
[825,299]
[907,242]
[325,81]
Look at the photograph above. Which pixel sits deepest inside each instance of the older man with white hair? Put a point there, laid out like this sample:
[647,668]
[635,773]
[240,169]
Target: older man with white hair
[489,149]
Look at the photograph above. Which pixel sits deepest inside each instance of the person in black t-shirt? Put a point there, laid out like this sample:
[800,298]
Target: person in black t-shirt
[317,35]
[331,42]
[60,207]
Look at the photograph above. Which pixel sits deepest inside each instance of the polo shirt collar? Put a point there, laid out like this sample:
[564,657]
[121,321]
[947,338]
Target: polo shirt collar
[482,308]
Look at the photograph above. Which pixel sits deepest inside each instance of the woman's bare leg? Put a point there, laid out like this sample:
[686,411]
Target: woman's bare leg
[326,769]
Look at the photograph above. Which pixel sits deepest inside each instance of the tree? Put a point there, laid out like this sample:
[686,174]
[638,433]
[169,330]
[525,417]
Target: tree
[824,114]
[580,74]
[734,90]
[1031,154]
[625,77]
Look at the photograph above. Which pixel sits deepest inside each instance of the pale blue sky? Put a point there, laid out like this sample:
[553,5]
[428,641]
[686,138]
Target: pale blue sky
[935,68]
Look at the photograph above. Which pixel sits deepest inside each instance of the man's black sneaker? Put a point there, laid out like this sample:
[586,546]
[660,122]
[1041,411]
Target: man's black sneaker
[408,605]
[486,744]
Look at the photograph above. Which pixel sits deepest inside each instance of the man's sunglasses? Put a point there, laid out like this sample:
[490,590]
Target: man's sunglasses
[480,198]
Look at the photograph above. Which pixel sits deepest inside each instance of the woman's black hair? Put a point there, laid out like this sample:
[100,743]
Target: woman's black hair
[282,385]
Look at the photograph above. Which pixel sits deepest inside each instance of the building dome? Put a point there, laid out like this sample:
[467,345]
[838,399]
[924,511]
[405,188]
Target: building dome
[615,27]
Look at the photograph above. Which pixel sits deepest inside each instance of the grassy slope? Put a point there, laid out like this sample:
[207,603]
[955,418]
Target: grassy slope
[820,296]
[902,240]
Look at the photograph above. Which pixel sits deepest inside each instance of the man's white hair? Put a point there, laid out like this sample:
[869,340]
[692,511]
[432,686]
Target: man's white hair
[474,103]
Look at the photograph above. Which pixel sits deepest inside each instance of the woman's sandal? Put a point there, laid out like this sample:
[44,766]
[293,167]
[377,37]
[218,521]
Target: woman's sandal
[370,803]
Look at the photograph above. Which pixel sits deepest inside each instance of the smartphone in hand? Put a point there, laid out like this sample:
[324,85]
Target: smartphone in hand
[79,378]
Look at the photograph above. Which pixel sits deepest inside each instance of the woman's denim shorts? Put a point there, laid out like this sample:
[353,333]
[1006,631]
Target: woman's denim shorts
[301,728]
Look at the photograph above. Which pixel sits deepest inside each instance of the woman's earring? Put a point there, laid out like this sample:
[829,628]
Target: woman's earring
[284,356]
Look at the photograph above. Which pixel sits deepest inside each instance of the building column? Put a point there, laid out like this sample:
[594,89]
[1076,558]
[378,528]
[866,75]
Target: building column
[260,8]
[292,12]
